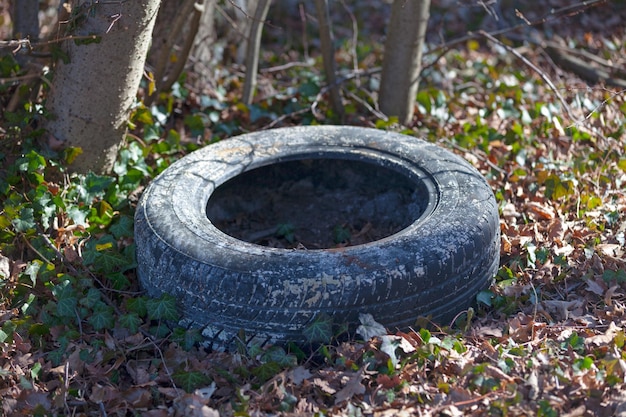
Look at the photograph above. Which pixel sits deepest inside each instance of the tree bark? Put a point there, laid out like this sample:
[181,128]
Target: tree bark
[403,56]
[95,89]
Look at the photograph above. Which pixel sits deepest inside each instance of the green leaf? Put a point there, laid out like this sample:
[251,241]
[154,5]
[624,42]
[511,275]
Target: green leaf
[25,221]
[119,281]
[131,321]
[286,230]
[102,318]
[618,276]
[187,339]
[266,371]
[163,308]
[137,305]
[6,332]
[190,381]
[341,234]
[123,227]
[92,298]
[32,270]
[321,330]
[105,257]
[35,370]
[95,185]
[485,297]
[78,215]
[66,299]
[278,355]
[57,356]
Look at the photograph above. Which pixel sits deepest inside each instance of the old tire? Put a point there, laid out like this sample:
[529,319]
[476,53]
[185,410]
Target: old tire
[228,287]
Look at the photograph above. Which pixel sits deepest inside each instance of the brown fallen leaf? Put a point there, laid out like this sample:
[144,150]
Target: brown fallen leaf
[353,387]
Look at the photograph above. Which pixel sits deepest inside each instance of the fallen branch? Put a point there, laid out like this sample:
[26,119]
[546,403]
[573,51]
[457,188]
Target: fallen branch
[583,68]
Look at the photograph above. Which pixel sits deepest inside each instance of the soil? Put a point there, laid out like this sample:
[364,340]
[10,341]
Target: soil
[316,204]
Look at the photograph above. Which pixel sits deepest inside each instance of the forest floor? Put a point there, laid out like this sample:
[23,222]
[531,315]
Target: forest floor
[78,337]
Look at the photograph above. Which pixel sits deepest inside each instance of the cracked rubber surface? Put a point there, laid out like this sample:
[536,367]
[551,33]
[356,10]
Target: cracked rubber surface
[228,287]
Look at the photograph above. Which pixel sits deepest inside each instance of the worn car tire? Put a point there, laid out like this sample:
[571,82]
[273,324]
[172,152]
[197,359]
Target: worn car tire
[230,288]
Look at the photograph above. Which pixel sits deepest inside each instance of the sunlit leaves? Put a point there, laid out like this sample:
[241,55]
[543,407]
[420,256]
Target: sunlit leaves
[25,221]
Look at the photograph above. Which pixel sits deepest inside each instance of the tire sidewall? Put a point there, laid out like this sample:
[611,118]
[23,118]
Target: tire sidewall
[428,268]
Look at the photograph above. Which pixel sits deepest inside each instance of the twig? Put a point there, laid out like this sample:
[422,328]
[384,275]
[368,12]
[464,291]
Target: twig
[18,79]
[599,106]
[46,260]
[482,158]
[542,74]
[285,66]
[365,104]
[16,45]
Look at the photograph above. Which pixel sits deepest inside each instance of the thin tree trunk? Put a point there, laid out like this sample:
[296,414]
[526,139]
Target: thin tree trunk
[328,54]
[403,56]
[26,19]
[25,23]
[94,91]
[253,49]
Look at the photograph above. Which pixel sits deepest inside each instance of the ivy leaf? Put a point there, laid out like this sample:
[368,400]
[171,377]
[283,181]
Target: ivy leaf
[321,330]
[56,356]
[369,327]
[163,308]
[186,338]
[266,371]
[78,216]
[32,270]
[102,317]
[96,184]
[66,299]
[92,298]
[190,381]
[137,305]
[119,281]
[131,321]
[278,355]
[26,221]
[122,228]
[103,254]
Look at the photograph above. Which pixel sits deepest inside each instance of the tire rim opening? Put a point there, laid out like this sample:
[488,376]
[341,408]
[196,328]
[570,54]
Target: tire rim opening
[317,203]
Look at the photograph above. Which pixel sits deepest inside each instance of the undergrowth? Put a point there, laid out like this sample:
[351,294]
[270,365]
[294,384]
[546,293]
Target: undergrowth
[78,335]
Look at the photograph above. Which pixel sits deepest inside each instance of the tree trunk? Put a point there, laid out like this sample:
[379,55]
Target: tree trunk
[403,56]
[253,49]
[95,89]
[328,54]
[26,19]
[25,23]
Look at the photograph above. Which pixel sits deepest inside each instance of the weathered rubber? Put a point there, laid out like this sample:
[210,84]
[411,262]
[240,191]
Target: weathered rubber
[434,267]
